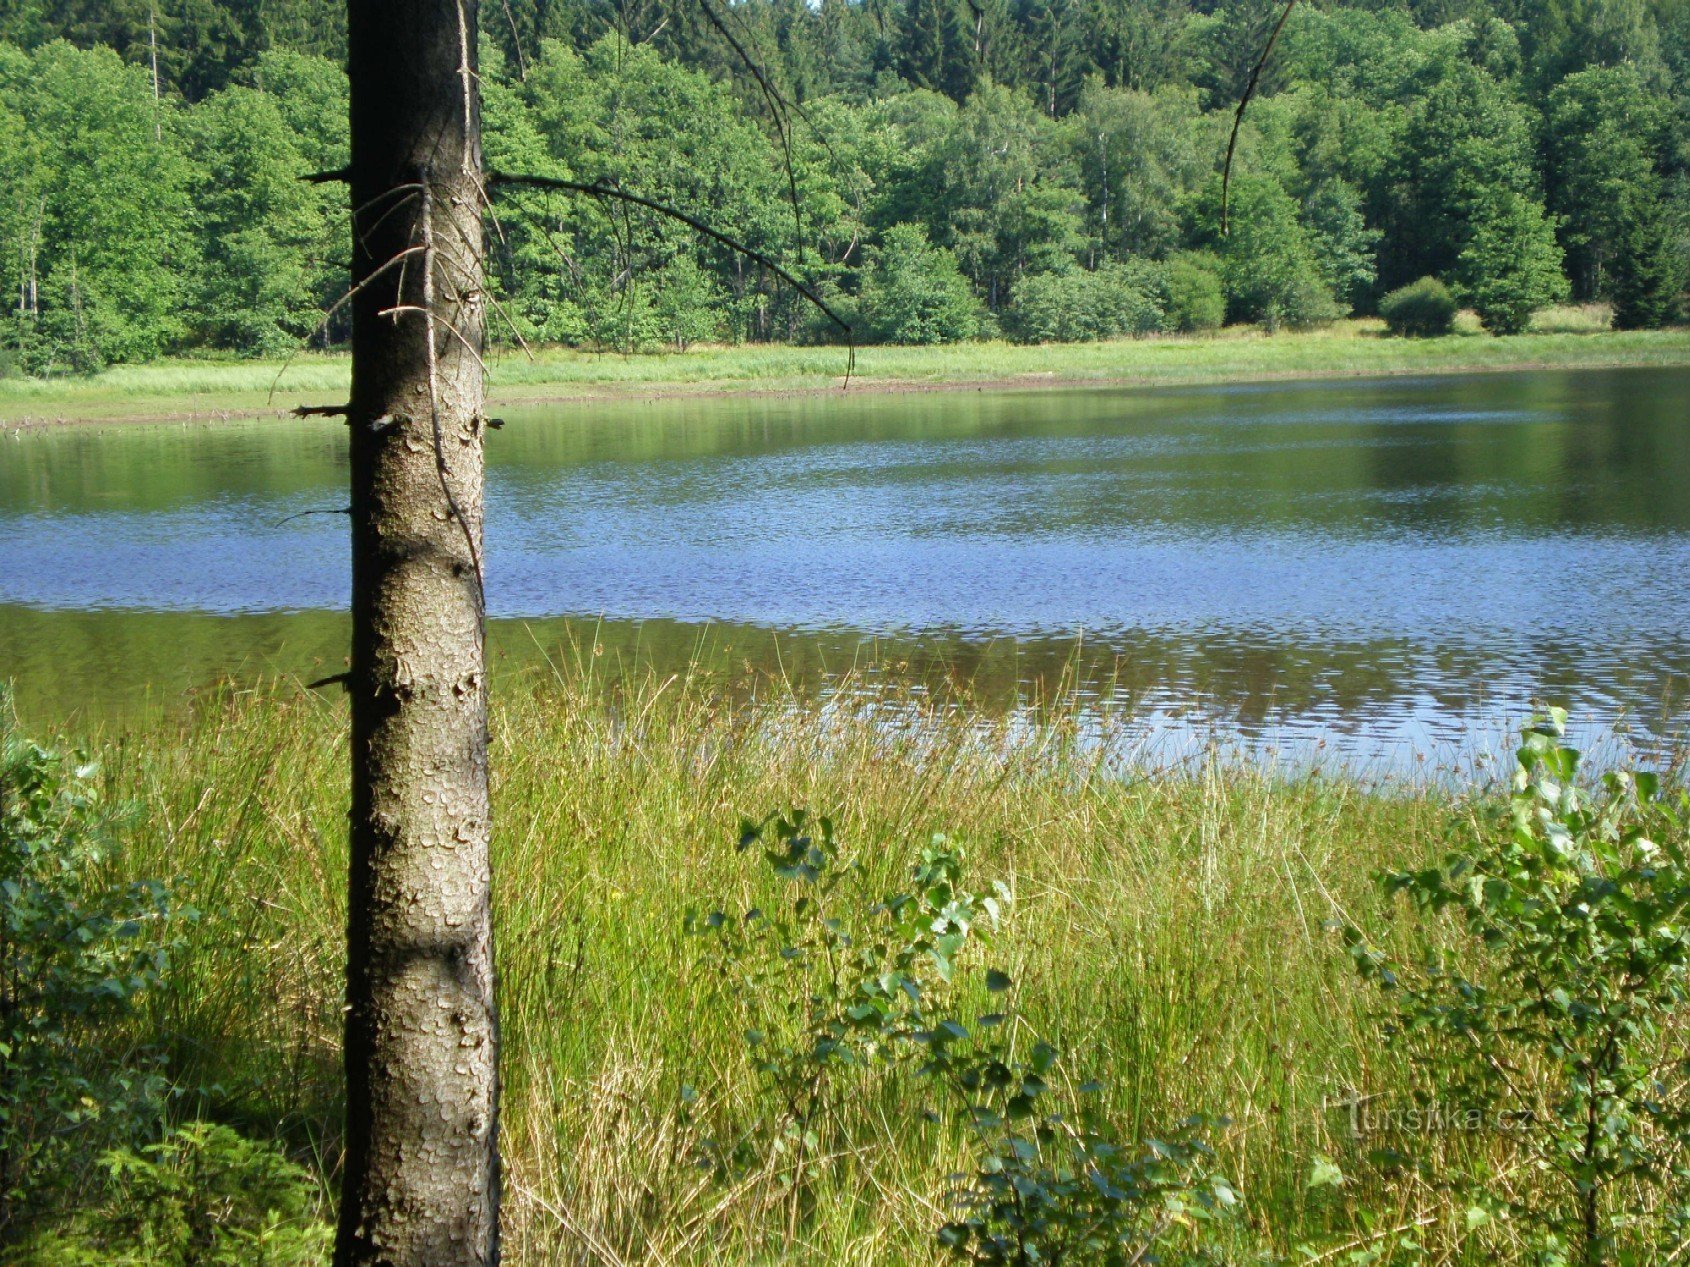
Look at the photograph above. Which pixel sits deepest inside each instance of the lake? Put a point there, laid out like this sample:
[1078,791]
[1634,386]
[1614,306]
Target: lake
[1380,571]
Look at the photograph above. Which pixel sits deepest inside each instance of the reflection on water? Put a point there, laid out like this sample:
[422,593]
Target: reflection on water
[1378,567]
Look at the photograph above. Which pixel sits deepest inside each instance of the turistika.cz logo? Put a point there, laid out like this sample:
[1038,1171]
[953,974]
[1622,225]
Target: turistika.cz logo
[1372,1115]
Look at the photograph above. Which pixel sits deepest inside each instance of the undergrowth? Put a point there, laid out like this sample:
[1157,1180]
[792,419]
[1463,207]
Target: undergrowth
[1017,998]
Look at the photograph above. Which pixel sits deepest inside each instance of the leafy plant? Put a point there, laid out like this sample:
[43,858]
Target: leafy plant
[75,953]
[1051,1189]
[1345,248]
[833,983]
[1558,1015]
[689,303]
[203,1196]
[1268,257]
[1077,305]
[913,291]
[1193,299]
[1649,268]
[1421,310]
[841,988]
[1511,265]
[1306,303]
[88,1174]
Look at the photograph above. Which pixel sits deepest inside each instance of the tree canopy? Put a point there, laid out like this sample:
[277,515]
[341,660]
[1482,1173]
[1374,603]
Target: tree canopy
[151,156]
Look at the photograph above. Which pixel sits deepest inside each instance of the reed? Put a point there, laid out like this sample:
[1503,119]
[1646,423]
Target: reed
[1168,930]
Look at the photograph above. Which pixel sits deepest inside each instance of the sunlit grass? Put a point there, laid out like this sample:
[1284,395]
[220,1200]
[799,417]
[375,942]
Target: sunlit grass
[1168,929]
[205,390]
[1574,319]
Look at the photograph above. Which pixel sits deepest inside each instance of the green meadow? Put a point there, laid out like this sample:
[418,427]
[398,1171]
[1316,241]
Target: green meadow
[208,390]
[1170,929]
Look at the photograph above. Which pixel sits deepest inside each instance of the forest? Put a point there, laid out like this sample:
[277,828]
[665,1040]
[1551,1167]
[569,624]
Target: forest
[935,170]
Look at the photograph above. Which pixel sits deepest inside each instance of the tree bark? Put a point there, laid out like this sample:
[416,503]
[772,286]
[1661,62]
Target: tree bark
[421,1181]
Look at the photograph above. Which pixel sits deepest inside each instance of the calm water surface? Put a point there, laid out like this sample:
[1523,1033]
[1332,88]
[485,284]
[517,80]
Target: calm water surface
[1386,567]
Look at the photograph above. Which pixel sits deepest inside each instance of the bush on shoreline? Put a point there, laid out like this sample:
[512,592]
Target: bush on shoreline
[914,293]
[1182,295]
[1421,310]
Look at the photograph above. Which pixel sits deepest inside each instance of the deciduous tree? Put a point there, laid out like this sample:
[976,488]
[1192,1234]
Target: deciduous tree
[1511,266]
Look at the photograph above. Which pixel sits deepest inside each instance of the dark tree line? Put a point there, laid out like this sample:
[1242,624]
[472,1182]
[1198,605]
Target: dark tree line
[1036,168]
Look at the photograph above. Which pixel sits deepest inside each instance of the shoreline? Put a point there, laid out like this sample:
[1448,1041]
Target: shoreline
[1239,360]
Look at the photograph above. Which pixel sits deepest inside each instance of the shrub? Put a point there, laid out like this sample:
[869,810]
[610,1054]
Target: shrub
[1268,257]
[203,1196]
[1079,306]
[1557,1016]
[1193,299]
[838,987]
[76,952]
[913,292]
[1421,310]
[87,1173]
[829,982]
[1345,249]
[689,303]
[1304,303]
[1055,308]
[1050,1190]
[813,328]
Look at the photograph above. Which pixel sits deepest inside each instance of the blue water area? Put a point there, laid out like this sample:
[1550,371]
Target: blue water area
[1375,567]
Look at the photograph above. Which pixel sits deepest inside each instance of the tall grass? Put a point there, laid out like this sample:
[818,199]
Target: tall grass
[1574,319]
[1167,930]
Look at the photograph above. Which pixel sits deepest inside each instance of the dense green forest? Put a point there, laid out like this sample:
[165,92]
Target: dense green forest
[938,169]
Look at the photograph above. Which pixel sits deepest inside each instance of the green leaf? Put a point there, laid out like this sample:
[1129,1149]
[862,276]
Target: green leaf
[1324,1173]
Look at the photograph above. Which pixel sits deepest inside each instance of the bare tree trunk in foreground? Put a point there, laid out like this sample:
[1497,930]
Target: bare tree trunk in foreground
[421,1185]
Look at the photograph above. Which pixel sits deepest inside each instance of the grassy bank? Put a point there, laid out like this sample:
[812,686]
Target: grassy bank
[1167,929]
[209,390]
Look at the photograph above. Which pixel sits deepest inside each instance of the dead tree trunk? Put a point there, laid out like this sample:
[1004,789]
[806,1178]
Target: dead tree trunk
[421,1180]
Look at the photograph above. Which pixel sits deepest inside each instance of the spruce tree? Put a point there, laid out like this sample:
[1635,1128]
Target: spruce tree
[921,43]
[1647,271]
